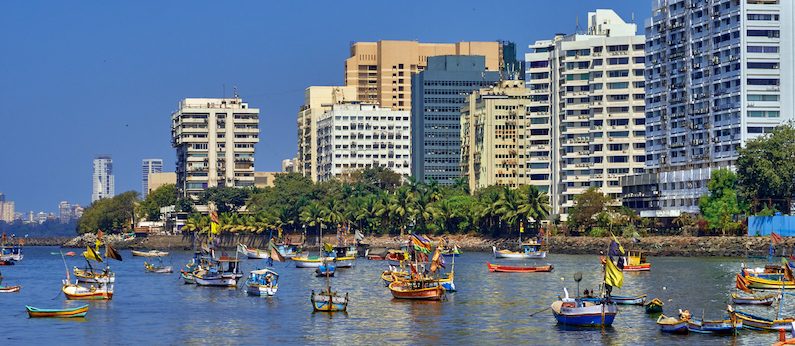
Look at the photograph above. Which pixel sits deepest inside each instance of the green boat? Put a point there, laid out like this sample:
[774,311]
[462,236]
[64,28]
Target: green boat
[79,311]
[655,306]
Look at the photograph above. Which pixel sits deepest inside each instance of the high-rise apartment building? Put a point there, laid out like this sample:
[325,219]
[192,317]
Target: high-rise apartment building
[6,209]
[718,73]
[354,136]
[215,139]
[381,71]
[502,143]
[103,181]
[149,166]
[437,95]
[65,212]
[590,87]
[317,100]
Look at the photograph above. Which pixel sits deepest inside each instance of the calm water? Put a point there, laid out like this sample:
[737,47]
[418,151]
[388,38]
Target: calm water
[489,308]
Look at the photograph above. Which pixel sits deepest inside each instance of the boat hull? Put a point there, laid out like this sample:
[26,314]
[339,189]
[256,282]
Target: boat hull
[215,281]
[671,325]
[586,316]
[152,253]
[79,311]
[93,278]
[187,278]
[77,292]
[512,255]
[323,302]
[496,268]
[303,262]
[714,327]
[754,300]
[759,323]
[261,290]
[10,289]
[431,293]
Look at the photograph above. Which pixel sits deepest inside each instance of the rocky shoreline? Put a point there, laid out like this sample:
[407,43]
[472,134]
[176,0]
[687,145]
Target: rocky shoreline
[652,246]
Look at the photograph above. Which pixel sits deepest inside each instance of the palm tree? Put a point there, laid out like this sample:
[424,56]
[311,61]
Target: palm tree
[507,206]
[535,204]
[461,184]
[312,215]
[444,214]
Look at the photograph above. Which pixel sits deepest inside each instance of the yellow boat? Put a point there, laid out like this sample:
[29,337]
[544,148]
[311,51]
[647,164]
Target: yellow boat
[316,261]
[767,284]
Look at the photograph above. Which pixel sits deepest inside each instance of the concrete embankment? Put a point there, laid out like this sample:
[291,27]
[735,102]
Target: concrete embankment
[653,246]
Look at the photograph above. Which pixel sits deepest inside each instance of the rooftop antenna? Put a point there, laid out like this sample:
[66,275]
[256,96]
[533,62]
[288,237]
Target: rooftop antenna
[576,25]
[234,90]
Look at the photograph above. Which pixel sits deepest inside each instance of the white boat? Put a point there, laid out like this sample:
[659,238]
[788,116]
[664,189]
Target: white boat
[529,251]
[224,272]
[90,276]
[150,253]
[252,253]
[262,283]
[13,253]
[315,261]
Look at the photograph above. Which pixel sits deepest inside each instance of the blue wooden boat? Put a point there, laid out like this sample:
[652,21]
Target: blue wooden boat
[325,269]
[577,312]
[620,300]
[79,311]
[721,327]
[673,325]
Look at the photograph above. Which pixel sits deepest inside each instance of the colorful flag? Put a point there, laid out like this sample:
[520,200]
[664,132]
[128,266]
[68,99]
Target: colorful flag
[91,255]
[110,252]
[421,244]
[214,222]
[613,276]
[776,238]
[435,264]
[521,227]
[742,284]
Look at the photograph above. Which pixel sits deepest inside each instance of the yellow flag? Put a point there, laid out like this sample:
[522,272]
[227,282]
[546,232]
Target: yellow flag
[521,227]
[214,228]
[328,247]
[613,276]
[92,255]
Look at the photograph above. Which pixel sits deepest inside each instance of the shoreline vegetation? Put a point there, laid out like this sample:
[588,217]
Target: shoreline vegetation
[684,246]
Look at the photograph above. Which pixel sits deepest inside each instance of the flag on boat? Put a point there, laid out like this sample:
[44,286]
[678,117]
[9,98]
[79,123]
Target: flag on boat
[214,222]
[328,247]
[110,252]
[436,260]
[91,255]
[98,242]
[613,276]
[776,238]
[615,250]
[275,254]
[421,244]
[742,284]
[521,227]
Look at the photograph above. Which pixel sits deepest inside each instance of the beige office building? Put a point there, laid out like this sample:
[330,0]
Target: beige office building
[156,180]
[215,139]
[317,100]
[501,143]
[381,71]
[592,87]
[7,211]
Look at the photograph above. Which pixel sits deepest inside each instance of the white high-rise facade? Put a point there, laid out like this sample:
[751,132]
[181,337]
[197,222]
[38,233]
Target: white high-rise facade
[354,136]
[149,166]
[102,178]
[590,87]
[719,72]
[215,139]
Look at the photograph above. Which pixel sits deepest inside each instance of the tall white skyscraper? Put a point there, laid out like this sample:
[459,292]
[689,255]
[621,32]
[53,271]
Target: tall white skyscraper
[718,74]
[590,88]
[215,139]
[102,179]
[149,166]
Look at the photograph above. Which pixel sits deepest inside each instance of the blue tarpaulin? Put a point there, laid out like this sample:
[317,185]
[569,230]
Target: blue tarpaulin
[783,225]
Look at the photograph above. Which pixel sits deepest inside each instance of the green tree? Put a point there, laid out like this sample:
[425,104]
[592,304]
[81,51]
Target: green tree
[163,196]
[226,199]
[766,170]
[722,205]
[115,214]
[534,204]
[586,206]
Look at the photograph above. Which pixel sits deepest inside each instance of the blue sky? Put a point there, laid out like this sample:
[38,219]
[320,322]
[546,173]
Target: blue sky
[79,79]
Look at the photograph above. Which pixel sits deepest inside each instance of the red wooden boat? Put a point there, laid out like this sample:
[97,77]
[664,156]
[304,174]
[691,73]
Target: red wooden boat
[517,269]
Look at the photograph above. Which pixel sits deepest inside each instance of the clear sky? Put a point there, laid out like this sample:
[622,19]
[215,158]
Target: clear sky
[83,78]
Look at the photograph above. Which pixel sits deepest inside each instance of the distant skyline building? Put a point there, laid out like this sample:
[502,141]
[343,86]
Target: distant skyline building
[590,87]
[354,136]
[437,94]
[214,139]
[502,142]
[317,100]
[102,178]
[7,212]
[381,71]
[65,212]
[719,73]
[149,166]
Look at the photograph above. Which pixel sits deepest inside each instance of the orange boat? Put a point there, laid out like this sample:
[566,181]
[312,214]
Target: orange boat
[517,269]
[417,289]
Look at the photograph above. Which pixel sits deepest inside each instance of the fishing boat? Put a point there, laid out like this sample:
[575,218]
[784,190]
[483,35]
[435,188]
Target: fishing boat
[392,274]
[719,327]
[499,268]
[454,252]
[317,261]
[10,289]
[376,254]
[253,253]
[158,268]
[70,254]
[150,253]
[757,282]
[655,306]
[577,312]
[79,311]
[325,269]
[328,300]
[620,300]
[760,323]
[187,277]
[75,291]
[674,325]
[222,272]
[262,283]
[88,275]
[395,256]
[11,253]
[417,289]
[634,261]
[530,250]
[766,299]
